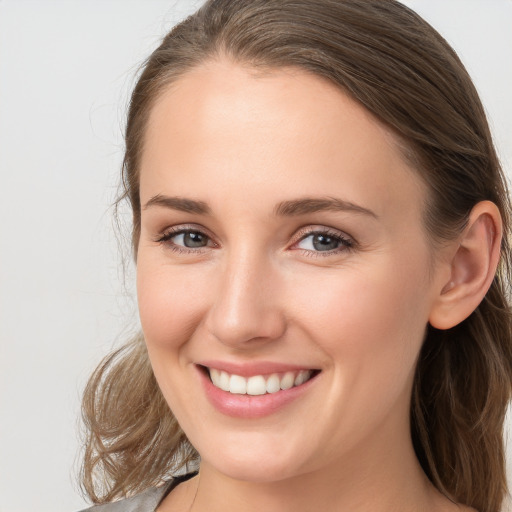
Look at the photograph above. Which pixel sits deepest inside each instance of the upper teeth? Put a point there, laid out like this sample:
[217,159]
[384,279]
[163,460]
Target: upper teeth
[257,384]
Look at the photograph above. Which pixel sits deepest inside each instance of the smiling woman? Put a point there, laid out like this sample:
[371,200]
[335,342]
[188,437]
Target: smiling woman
[319,216]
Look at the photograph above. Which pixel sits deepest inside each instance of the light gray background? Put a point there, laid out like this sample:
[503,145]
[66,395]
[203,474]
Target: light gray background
[65,71]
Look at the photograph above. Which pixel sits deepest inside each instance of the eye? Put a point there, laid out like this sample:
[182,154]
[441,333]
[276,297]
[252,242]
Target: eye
[324,241]
[190,239]
[185,240]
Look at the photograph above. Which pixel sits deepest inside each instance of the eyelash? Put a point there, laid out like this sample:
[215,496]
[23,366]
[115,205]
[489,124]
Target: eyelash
[346,243]
[172,232]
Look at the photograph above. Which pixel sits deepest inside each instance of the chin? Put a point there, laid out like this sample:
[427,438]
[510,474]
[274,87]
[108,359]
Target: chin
[261,471]
[255,461]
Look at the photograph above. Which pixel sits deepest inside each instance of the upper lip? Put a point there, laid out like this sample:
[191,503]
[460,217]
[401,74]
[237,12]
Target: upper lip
[249,369]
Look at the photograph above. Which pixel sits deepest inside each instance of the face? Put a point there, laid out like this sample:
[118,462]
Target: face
[281,241]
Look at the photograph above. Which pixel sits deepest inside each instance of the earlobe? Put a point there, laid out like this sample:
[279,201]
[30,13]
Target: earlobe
[472,267]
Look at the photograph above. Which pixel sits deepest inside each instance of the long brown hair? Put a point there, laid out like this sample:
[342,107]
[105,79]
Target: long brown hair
[398,67]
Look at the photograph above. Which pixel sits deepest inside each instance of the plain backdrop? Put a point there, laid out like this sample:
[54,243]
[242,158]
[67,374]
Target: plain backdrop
[66,68]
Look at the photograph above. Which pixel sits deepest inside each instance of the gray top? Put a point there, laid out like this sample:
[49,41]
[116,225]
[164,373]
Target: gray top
[146,501]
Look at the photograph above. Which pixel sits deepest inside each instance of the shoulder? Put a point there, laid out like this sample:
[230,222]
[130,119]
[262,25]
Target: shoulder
[144,502]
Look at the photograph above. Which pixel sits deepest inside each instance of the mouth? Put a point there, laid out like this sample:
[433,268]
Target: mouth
[258,384]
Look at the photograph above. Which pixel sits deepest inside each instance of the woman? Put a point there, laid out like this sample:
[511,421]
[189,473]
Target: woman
[321,235]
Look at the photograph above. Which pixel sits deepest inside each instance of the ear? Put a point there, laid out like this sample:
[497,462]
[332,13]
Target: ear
[473,262]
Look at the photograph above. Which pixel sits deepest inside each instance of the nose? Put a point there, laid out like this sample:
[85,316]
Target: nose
[245,310]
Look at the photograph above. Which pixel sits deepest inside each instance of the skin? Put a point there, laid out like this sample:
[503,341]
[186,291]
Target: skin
[242,142]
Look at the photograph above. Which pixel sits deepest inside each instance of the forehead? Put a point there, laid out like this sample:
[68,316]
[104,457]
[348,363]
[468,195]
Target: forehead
[223,124]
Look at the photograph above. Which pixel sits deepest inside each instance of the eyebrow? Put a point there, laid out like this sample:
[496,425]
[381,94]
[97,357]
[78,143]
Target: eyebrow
[179,203]
[313,205]
[291,208]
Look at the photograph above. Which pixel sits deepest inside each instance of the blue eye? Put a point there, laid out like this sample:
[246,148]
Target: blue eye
[312,243]
[190,239]
[185,240]
[324,242]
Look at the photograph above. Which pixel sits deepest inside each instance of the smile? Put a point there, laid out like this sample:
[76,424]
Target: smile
[258,384]
[256,389]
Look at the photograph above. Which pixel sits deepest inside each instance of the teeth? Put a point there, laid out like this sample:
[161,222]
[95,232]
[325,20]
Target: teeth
[237,385]
[288,380]
[299,379]
[273,383]
[224,381]
[257,384]
[215,376]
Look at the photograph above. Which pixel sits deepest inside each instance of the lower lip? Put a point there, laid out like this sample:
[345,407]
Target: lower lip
[251,406]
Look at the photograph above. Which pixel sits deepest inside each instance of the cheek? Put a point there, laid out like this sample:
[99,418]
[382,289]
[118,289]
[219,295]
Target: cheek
[170,308]
[170,303]
[370,323]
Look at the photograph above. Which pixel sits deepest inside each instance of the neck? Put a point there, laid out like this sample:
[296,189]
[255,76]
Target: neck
[369,478]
